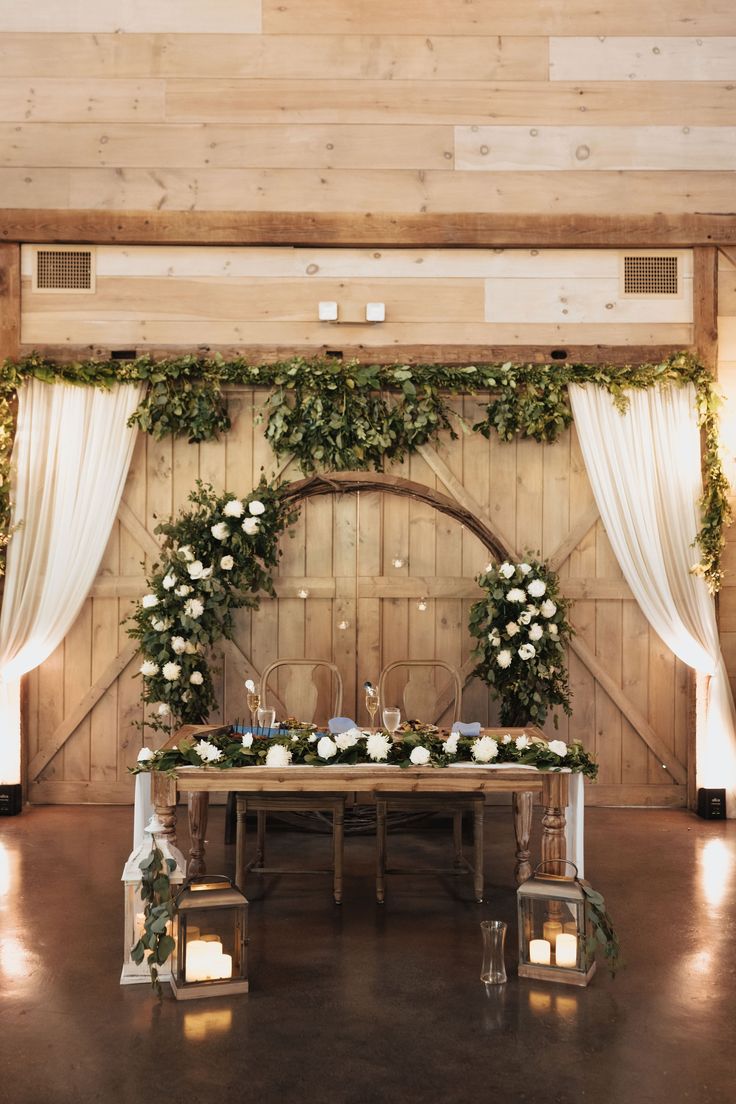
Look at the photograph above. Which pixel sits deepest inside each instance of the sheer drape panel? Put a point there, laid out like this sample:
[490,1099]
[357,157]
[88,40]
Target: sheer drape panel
[71,457]
[644,468]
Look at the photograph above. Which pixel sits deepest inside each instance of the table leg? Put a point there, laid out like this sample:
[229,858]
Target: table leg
[380,851]
[555,797]
[240,839]
[199,803]
[523,806]
[338,827]
[164,802]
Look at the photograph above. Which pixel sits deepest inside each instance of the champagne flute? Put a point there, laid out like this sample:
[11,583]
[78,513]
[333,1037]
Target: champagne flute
[391,718]
[371,702]
[253,699]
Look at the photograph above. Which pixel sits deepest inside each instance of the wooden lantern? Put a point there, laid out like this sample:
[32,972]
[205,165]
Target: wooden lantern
[133,973]
[555,930]
[212,938]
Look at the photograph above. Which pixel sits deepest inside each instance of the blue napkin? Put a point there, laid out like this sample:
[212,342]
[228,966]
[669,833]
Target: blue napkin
[270,732]
[471,729]
[340,724]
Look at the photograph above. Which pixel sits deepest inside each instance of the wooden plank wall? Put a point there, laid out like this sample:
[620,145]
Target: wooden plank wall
[343,106]
[167,295]
[367,561]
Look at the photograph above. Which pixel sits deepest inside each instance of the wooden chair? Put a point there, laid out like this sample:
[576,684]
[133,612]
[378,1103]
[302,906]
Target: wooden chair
[300,695]
[417,693]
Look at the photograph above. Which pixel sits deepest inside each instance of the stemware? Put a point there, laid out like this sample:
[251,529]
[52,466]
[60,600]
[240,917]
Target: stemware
[253,700]
[391,718]
[371,703]
[266,717]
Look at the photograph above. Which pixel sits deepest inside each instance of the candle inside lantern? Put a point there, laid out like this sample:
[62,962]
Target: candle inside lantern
[140,924]
[205,960]
[540,951]
[551,929]
[566,950]
[571,928]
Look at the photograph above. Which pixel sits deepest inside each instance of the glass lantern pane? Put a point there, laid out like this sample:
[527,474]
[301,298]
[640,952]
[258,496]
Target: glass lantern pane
[544,922]
[210,944]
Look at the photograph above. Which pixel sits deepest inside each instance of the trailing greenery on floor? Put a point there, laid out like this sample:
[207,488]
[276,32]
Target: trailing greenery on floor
[342,416]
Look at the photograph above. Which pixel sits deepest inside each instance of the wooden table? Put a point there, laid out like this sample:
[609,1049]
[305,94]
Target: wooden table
[199,782]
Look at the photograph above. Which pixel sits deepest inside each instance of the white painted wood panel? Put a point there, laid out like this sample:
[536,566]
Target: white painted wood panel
[513,148]
[231,16]
[645,59]
[590,299]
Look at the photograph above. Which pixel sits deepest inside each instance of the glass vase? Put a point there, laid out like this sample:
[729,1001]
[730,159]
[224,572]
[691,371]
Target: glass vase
[493,970]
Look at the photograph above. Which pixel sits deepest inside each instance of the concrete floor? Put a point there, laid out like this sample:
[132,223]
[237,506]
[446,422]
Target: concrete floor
[360,1003]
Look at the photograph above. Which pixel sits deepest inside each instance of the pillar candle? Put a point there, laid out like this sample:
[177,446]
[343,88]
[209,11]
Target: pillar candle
[566,950]
[551,929]
[571,928]
[540,951]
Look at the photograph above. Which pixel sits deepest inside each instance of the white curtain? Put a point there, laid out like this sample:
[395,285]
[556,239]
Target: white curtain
[71,457]
[644,468]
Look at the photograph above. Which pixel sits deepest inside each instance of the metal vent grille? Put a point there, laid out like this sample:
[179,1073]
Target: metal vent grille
[655,275]
[64,270]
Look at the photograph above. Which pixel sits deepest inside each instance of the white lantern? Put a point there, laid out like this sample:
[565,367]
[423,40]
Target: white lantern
[135,906]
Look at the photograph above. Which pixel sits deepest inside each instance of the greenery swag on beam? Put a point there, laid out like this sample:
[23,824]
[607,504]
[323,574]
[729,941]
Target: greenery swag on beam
[347,416]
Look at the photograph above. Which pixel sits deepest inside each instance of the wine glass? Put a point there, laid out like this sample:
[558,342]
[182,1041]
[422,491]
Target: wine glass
[371,703]
[266,717]
[253,699]
[391,718]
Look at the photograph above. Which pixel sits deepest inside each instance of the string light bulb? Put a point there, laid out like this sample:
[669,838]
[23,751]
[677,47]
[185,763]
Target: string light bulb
[422,604]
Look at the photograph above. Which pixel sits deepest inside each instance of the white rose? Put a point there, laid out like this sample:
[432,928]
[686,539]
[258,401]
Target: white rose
[248,740]
[548,608]
[532,610]
[552,629]
[171,671]
[494,638]
[558,747]
[193,608]
[503,659]
[191,649]
[145,754]
[160,625]
[420,756]
[278,756]
[196,678]
[525,617]
[178,645]
[182,591]
[527,651]
[148,668]
[206,572]
[377,746]
[250,686]
[507,738]
[186,695]
[207,751]
[488,568]
[348,739]
[227,563]
[256,508]
[512,628]
[451,743]
[484,749]
[169,581]
[536,588]
[195,569]
[311,739]
[250,526]
[163,710]
[536,632]
[233,508]
[326,748]
[186,552]
[506,570]
[516,594]
[524,568]
[522,742]
[148,601]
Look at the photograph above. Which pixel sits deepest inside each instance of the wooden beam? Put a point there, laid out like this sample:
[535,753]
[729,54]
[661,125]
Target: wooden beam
[383,354]
[9,299]
[639,722]
[705,305]
[365,228]
[140,534]
[464,498]
[573,538]
[63,731]
[729,254]
[602,590]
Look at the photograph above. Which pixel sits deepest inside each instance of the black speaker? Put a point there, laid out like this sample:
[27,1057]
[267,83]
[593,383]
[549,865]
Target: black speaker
[712,804]
[11,799]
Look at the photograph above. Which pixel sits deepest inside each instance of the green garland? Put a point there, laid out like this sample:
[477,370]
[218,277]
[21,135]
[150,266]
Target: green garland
[342,415]
[522,631]
[420,745]
[156,937]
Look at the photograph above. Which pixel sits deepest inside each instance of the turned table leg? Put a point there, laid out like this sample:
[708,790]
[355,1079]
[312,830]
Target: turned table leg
[199,804]
[555,797]
[523,805]
[163,790]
